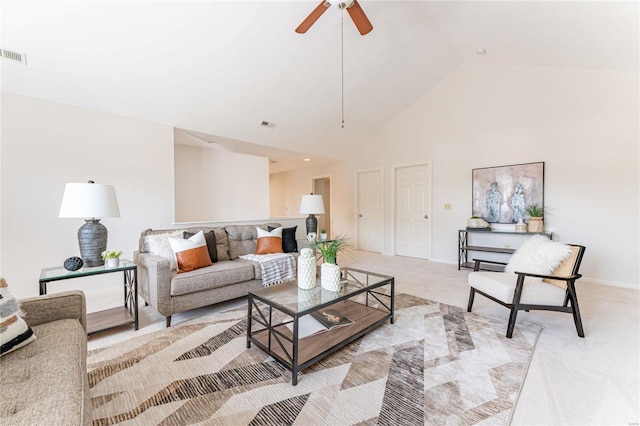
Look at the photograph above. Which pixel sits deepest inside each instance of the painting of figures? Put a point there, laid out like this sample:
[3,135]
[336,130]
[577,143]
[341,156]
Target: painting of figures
[500,194]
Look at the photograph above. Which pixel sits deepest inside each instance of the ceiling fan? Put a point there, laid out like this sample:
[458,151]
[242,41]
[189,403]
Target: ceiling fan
[353,7]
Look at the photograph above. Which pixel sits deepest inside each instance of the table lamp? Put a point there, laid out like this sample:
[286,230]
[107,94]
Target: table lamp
[90,201]
[312,204]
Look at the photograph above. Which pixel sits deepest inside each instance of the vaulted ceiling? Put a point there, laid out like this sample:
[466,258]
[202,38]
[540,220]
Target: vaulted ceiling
[218,69]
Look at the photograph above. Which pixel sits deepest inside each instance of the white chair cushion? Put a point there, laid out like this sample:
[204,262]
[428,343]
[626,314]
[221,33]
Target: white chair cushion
[502,286]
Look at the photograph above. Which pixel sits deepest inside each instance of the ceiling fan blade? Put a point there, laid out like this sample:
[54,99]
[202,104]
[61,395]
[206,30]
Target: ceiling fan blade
[313,17]
[359,18]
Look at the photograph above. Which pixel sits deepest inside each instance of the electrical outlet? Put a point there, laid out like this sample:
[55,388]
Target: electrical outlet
[447,206]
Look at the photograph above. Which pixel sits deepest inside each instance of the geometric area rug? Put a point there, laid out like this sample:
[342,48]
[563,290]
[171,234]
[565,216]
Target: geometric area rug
[436,365]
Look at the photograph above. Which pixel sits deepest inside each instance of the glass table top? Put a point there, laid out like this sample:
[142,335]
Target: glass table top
[290,297]
[59,273]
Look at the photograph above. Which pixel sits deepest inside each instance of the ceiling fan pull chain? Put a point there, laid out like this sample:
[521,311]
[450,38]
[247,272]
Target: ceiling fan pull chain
[342,61]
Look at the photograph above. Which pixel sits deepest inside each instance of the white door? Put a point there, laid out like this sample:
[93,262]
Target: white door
[370,211]
[413,208]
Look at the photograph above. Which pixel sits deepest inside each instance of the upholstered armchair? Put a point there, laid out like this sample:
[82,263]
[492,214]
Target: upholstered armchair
[540,275]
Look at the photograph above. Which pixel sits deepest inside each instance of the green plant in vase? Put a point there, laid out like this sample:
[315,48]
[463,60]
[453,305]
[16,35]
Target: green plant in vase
[111,254]
[536,214]
[329,271]
[331,249]
[534,210]
[111,257]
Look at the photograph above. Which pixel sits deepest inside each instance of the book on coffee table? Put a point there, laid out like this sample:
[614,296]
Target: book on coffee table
[319,322]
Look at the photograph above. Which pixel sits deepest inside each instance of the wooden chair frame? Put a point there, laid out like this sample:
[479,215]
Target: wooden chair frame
[515,305]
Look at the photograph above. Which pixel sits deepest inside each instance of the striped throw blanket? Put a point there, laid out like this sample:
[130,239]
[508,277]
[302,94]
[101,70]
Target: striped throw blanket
[276,268]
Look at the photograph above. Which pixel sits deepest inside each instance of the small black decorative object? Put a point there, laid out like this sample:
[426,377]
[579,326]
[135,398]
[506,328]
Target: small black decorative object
[73,264]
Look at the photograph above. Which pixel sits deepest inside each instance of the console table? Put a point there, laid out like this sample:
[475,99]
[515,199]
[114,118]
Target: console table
[109,318]
[464,246]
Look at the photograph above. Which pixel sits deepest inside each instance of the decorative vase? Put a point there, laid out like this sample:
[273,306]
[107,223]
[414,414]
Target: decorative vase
[112,262]
[521,226]
[536,224]
[306,269]
[330,276]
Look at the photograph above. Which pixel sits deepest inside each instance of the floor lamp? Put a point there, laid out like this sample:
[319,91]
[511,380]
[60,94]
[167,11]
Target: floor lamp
[91,202]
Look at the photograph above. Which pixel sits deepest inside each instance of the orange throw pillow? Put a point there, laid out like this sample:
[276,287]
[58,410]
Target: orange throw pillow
[191,254]
[269,242]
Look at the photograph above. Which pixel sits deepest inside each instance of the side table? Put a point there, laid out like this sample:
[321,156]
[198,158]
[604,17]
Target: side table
[108,318]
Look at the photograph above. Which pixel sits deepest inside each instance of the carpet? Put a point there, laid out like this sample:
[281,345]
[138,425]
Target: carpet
[436,365]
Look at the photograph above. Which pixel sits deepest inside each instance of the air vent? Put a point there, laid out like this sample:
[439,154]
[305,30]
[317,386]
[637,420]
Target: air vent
[14,56]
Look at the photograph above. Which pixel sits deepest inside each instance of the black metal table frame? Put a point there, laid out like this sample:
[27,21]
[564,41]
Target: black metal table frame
[130,282]
[292,361]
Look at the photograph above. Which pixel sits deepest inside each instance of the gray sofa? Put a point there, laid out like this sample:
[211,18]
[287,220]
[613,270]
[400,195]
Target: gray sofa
[45,382]
[171,292]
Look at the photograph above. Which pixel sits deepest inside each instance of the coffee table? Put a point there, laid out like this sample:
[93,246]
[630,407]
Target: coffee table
[273,316]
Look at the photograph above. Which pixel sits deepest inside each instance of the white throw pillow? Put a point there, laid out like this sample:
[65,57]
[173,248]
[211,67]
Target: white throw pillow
[269,241]
[158,244]
[277,232]
[538,255]
[191,253]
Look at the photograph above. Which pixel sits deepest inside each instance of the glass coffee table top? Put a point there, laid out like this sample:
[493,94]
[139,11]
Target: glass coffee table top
[290,298]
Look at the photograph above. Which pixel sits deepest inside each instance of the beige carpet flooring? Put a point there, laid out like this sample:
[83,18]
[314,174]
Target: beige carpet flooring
[595,380]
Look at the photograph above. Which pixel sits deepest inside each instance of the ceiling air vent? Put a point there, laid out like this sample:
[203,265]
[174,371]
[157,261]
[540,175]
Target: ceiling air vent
[268,124]
[14,56]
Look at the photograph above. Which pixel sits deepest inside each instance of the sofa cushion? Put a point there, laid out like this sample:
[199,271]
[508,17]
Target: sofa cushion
[269,241]
[243,238]
[46,381]
[217,275]
[14,331]
[210,239]
[501,285]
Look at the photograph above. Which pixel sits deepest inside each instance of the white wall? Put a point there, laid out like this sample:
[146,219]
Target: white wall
[213,184]
[44,146]
[582,124]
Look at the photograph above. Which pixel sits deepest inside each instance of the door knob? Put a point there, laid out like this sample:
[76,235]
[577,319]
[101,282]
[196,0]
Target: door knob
[426,216]
[359,215]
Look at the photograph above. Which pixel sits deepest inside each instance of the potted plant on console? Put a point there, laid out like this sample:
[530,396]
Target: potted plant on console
[329,270]
[111,258]
[536,216]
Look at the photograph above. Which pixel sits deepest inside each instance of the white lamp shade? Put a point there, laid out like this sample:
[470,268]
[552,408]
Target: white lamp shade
[312,204]
[89,200]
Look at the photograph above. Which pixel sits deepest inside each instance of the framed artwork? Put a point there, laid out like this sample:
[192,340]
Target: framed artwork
[500,194]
